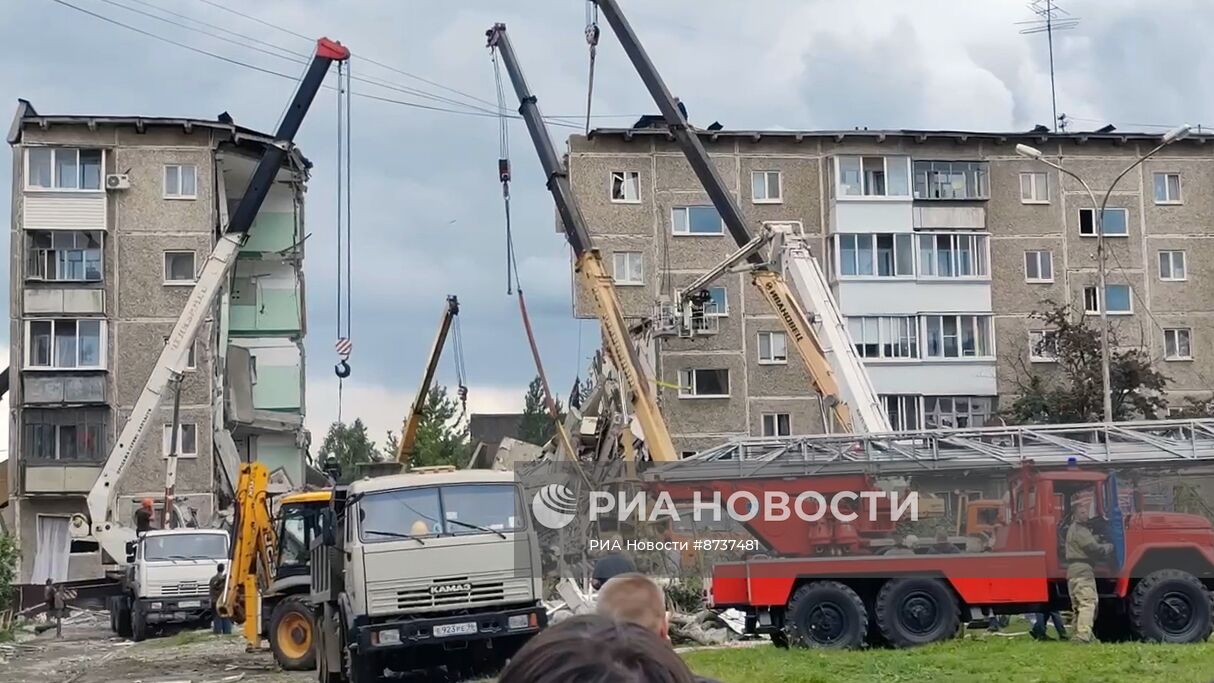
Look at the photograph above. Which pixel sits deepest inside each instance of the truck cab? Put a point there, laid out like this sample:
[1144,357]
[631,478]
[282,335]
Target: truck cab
[416,571]
[167,580]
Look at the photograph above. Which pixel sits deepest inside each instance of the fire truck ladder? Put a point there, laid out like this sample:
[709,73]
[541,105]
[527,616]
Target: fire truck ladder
[1160,443]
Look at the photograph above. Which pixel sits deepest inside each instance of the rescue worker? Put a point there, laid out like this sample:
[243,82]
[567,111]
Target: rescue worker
[903,545]
[143,517]
[1083,550]
[55,605]
[219,625]
[943,546]
[613,562]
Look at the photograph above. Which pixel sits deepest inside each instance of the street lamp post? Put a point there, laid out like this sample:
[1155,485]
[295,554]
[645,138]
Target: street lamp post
[1098,221]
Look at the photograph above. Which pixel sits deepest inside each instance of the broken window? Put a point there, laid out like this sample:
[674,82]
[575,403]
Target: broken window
[704,383]
[1115,223]
[63,255]
[625,186]
[178,267]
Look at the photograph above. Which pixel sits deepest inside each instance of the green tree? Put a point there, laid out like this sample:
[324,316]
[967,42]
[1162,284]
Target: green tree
[536,425]
[441,438]
[10,552]
[350,444]
[1071,390]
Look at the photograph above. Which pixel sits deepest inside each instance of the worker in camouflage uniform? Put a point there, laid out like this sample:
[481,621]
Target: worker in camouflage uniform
[1083,549]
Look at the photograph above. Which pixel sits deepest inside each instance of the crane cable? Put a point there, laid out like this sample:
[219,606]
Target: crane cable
[344,344]
[461,374]
[592,41]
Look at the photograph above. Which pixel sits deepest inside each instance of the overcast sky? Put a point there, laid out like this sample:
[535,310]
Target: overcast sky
[426,202]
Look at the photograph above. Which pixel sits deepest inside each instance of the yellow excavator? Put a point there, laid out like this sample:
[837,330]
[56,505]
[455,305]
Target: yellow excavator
[268,579]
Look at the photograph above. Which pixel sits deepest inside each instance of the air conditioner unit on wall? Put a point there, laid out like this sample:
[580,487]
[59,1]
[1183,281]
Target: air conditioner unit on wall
[117,181]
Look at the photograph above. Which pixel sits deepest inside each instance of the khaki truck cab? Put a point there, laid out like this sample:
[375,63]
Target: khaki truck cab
[419,571]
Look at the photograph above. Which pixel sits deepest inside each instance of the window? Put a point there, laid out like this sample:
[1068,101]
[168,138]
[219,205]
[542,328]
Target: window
[951,180]
[902,411]
[873,176]
[63,255]
[952,255]
[1115,224]
[625,187]
[1034,188]
[627,268]
[777,424]
[773,348]
[712,383]
[718,303]
[452,510]
[958,336]
[1176,345]
[1038,266]
[696,220]
[178,267]
[180,182]
[766,187]
[63,168]
[956,412]
[884,336]
[1119,299]
[1167,188]
[187,440]
[65,344]
[191,359]
[880,255]
[73,434]
[1172,266]
[1043,346]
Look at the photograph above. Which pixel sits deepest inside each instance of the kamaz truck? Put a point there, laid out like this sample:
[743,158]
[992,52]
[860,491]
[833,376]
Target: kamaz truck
[425,570]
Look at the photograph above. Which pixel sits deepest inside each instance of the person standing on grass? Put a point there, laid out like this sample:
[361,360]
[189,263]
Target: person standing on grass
[1083,550]
[1040,623]
[219,625]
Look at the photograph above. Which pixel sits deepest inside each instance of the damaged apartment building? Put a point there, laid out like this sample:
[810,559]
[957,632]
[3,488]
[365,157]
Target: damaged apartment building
[112,220]
[938,246]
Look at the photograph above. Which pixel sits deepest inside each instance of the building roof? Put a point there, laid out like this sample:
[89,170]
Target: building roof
[1038,135]
[27,115]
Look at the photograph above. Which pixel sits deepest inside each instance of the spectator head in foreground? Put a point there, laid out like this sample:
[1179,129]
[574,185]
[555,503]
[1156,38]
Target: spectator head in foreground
[592,648]
[635,599]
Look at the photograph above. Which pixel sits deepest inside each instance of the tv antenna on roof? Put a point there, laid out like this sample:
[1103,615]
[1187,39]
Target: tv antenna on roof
[1050,18]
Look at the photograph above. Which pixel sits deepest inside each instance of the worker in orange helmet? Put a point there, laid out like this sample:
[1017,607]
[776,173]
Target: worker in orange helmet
[143,517]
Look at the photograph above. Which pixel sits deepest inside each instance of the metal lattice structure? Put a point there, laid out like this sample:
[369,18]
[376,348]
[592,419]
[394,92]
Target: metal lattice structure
[1147,443]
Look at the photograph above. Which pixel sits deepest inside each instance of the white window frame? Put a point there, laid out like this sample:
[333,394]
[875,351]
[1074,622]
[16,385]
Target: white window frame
[169,193]
[54,169]
[1036,336]
[888,329]
[715,311]
[874,260]
[687,383]
[975,319]
[772,358]
[102,349]
[1100,299]
[191,358]
[1171,255]
[1178,199]
[1039,185]
[767,199]
[980,244]
[1038,256]
[165,265]
[622,278]
[168,436]
[865,196]
[45,256]
[976,174]
[1111,209]
[908,405]
[685,230]
[1175,333]
[775,424]
[624,177]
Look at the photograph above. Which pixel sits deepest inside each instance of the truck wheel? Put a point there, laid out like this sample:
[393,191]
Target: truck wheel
[826,614]
[916,612]
[139,626]
[292,630]
[1170,606]
[122,617]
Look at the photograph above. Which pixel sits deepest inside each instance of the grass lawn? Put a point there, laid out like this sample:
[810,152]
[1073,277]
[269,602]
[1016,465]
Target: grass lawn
[987,659]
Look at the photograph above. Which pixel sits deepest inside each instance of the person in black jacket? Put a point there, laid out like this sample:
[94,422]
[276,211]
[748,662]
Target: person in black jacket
[612,564]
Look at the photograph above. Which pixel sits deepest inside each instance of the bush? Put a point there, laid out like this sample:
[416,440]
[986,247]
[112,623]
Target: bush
[9,554]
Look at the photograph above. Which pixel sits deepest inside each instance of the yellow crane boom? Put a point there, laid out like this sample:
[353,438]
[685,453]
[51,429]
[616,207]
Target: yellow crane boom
[408,436]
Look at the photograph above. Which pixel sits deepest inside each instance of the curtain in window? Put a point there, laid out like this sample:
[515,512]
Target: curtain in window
[51,554]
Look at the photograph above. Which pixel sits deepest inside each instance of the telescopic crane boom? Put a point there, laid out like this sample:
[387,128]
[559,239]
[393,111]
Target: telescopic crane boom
[102,523]
[817,354]
[589,263]
[408,438]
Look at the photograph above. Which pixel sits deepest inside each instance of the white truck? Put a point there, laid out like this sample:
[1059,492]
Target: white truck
[424,570]
[166,580]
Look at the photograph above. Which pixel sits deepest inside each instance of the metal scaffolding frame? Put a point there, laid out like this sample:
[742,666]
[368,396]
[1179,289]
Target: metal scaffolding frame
[1145,443]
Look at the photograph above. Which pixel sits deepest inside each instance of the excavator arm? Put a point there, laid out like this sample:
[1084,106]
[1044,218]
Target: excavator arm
[589,263]
[408,437]
[111,533]
[256,541]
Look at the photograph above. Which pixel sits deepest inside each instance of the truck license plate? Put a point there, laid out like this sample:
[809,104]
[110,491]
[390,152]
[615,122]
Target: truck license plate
[444,630]
[184,604]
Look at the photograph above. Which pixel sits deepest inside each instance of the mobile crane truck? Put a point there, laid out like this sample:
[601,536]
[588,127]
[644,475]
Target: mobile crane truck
[421,570]
[163,575]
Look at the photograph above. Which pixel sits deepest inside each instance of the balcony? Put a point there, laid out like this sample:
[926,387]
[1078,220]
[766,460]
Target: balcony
[58,478]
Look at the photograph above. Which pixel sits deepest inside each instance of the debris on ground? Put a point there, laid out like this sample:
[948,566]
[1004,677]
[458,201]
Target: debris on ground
[704,627]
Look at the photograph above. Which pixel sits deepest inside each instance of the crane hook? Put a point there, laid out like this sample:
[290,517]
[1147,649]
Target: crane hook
[342,369]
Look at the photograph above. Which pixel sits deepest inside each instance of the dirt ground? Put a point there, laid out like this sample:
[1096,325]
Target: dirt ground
[89,653]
